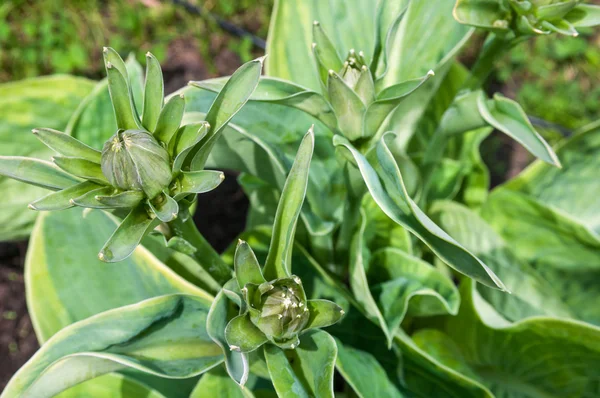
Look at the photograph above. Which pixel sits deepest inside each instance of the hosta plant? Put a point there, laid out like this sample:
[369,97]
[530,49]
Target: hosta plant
[425,283]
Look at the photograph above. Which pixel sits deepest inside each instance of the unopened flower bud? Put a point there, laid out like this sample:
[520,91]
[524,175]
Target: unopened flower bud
[134,160]
[280,310]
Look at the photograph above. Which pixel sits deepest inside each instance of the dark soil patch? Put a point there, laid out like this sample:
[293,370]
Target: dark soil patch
[17,339]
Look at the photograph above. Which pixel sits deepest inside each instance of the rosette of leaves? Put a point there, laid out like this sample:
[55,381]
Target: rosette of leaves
[354,101]
[526,18]
[149,171]
[273,309]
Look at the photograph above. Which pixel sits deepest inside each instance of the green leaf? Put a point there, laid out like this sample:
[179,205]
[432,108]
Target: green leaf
[348,107]
[159,336]
[63,199]
[153,93]
[94,120]
[247,268]
[557,188]
[389,13]
[22,110]
[390,283]
[110,386]
[125,112]
[326,56]
[413,48]
[323,313]
[387,101]
[282,92]
[199,181]
[242,335]
[89,199]
[350,23]
[81,168]
[35,172]
[236,362]
[66,145]
[395,202]
[410,286]
[170,118]
[61,291]
[128,235]
[507,116]
[364,373]
[572,350]
[165,207]
[306,371]
[561,250]
[584,15]
[531,294]
[229,101]
[278,263]
[424,375]
[184,141]
[265,143]
[125,199]
[487,14]
[217,383]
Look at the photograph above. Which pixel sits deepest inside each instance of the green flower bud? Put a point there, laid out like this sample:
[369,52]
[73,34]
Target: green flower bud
[134,160]
[278,308]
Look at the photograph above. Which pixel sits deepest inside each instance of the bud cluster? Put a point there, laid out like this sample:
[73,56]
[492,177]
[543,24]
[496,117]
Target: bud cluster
[149,171]
[525,17]
[360,102]
[275,311]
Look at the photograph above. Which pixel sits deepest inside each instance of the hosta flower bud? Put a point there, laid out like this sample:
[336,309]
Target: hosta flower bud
[279,308]
[134,160]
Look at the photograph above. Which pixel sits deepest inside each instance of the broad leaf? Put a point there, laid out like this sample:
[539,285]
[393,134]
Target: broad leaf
[364,373]
[349,24]
[425,375]
[558,188]
[282,92]
[389,283]
[306,371]
[531,294]
[563,251]
[160,336]
[414,49]
[385,183]
[111,385]
[567,353]
[217,383]
[264,142]
[22,111]
[67,283]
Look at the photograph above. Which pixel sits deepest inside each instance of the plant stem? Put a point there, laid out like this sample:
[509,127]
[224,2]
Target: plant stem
[205,255]
[494,48]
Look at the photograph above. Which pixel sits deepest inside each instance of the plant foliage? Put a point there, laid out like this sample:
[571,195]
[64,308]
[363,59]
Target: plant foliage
[372,249]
